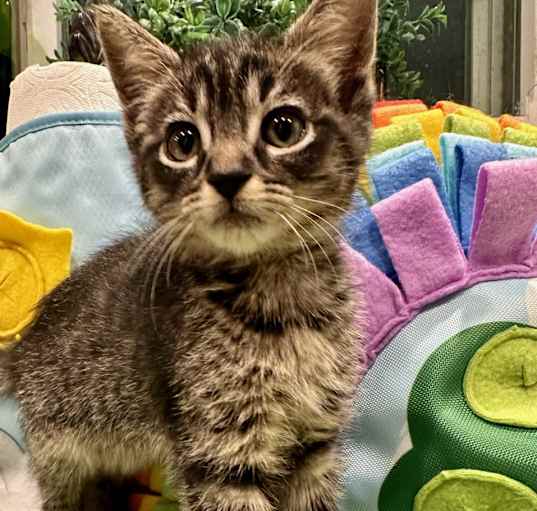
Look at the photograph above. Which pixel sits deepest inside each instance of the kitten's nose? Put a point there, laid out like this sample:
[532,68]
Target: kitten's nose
[228,184]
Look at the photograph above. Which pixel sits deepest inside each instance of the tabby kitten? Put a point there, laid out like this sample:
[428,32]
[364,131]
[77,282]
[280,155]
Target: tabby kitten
[221,343]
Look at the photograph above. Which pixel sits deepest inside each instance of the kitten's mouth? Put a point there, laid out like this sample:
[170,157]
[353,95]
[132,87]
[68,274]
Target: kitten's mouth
[239,229]
[236,216]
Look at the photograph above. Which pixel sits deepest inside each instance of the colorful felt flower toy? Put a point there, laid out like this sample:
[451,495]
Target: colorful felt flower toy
[33,260]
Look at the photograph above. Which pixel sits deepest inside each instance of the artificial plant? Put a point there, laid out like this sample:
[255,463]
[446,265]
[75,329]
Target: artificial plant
[397,30]
[180,23]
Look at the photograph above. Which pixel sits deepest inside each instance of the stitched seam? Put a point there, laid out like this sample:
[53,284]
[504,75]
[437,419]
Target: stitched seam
[61,120]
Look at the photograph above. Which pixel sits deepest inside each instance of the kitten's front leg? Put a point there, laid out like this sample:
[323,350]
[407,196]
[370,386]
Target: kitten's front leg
[205,493]
[61,484]
[315,483]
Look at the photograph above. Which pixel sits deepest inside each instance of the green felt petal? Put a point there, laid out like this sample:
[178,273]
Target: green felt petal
[448,435]
[474,490]
[500,384]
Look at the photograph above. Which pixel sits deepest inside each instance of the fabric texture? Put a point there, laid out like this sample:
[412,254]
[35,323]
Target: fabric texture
[470,157]
[508,121]
[493,125]
[34,261]
[423,262]
[516,151]
[446,434]
[455,123]
[500,384]
[382,116]
[447,107]
[18,489]
[362,233]
[392,155]
[395,136]
[158,496]
[448,145]
[62,87]
[379,435]
[409,169]
[392,102]
[432,124]
[475,489]
[384,300]
[527,138]
[73,171]
[498,183]
[420,239]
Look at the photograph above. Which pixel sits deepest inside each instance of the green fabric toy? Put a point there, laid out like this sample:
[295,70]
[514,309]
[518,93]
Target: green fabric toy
[466,126]
[501,381]
[395,135]
[447,435]
[473,490]
[515,136]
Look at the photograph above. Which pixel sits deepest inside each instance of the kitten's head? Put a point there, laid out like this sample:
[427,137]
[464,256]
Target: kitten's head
[249,145]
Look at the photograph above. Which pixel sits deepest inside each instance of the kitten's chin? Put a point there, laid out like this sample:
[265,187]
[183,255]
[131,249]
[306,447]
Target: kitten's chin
[242,241]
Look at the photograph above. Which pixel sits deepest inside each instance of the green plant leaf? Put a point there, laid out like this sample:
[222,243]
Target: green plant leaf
[145,23]
[235,8]
[232,27]
[223,8]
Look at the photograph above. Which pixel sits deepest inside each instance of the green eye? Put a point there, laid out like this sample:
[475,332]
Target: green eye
[284,127]
[183,142]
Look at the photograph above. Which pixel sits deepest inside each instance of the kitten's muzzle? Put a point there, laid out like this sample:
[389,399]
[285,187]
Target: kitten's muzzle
[228,184]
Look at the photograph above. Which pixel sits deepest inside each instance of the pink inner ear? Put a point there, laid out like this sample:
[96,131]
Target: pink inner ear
[425,251]
[505,214]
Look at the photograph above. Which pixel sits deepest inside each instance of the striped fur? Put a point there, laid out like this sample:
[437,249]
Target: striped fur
[221,343]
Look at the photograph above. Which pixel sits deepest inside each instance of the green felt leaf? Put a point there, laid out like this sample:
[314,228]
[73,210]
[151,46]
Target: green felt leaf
[474,490]
[447,435]
[500,383]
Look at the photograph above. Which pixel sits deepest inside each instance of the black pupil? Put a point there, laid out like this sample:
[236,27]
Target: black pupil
[283,126]
[186,139]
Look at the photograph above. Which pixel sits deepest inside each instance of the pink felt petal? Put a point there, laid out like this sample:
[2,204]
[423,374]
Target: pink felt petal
[417,232]
[384,302]
[505,214]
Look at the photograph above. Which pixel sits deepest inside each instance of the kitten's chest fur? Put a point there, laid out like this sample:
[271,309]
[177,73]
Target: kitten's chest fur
[269,359]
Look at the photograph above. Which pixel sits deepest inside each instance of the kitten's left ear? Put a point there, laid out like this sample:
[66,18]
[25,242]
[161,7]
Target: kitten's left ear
[340,34]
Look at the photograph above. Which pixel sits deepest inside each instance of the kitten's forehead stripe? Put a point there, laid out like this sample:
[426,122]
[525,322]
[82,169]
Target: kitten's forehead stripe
[309,82]
[224,87]
[267,83]
[191,97]
[205,78]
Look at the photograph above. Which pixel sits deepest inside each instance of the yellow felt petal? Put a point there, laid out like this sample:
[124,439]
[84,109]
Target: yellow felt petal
[33,261]
[432,123]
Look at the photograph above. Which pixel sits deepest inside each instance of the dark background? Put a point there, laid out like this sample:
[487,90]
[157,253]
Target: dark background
[5,78]
[441,59]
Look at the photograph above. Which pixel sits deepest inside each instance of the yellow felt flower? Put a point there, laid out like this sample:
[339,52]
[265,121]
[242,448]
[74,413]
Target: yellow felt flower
[33,261]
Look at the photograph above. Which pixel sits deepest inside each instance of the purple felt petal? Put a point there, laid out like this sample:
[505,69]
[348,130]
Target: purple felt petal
[418,234]
[505,214]
[384,302]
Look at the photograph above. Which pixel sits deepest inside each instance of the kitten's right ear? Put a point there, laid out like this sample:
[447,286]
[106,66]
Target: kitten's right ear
[135,58]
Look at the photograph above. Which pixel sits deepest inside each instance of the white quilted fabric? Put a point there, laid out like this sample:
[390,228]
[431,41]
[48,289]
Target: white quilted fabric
[60,87]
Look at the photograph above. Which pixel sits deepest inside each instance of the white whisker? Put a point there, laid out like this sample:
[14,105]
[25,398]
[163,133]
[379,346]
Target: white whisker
[302,240]
[324,203]
[315,240]
[332,226]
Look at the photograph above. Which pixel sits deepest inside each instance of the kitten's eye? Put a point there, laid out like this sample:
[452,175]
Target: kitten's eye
[183,141]
[284,127]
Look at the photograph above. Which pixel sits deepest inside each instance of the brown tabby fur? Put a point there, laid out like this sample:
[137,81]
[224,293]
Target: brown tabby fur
[220,343]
